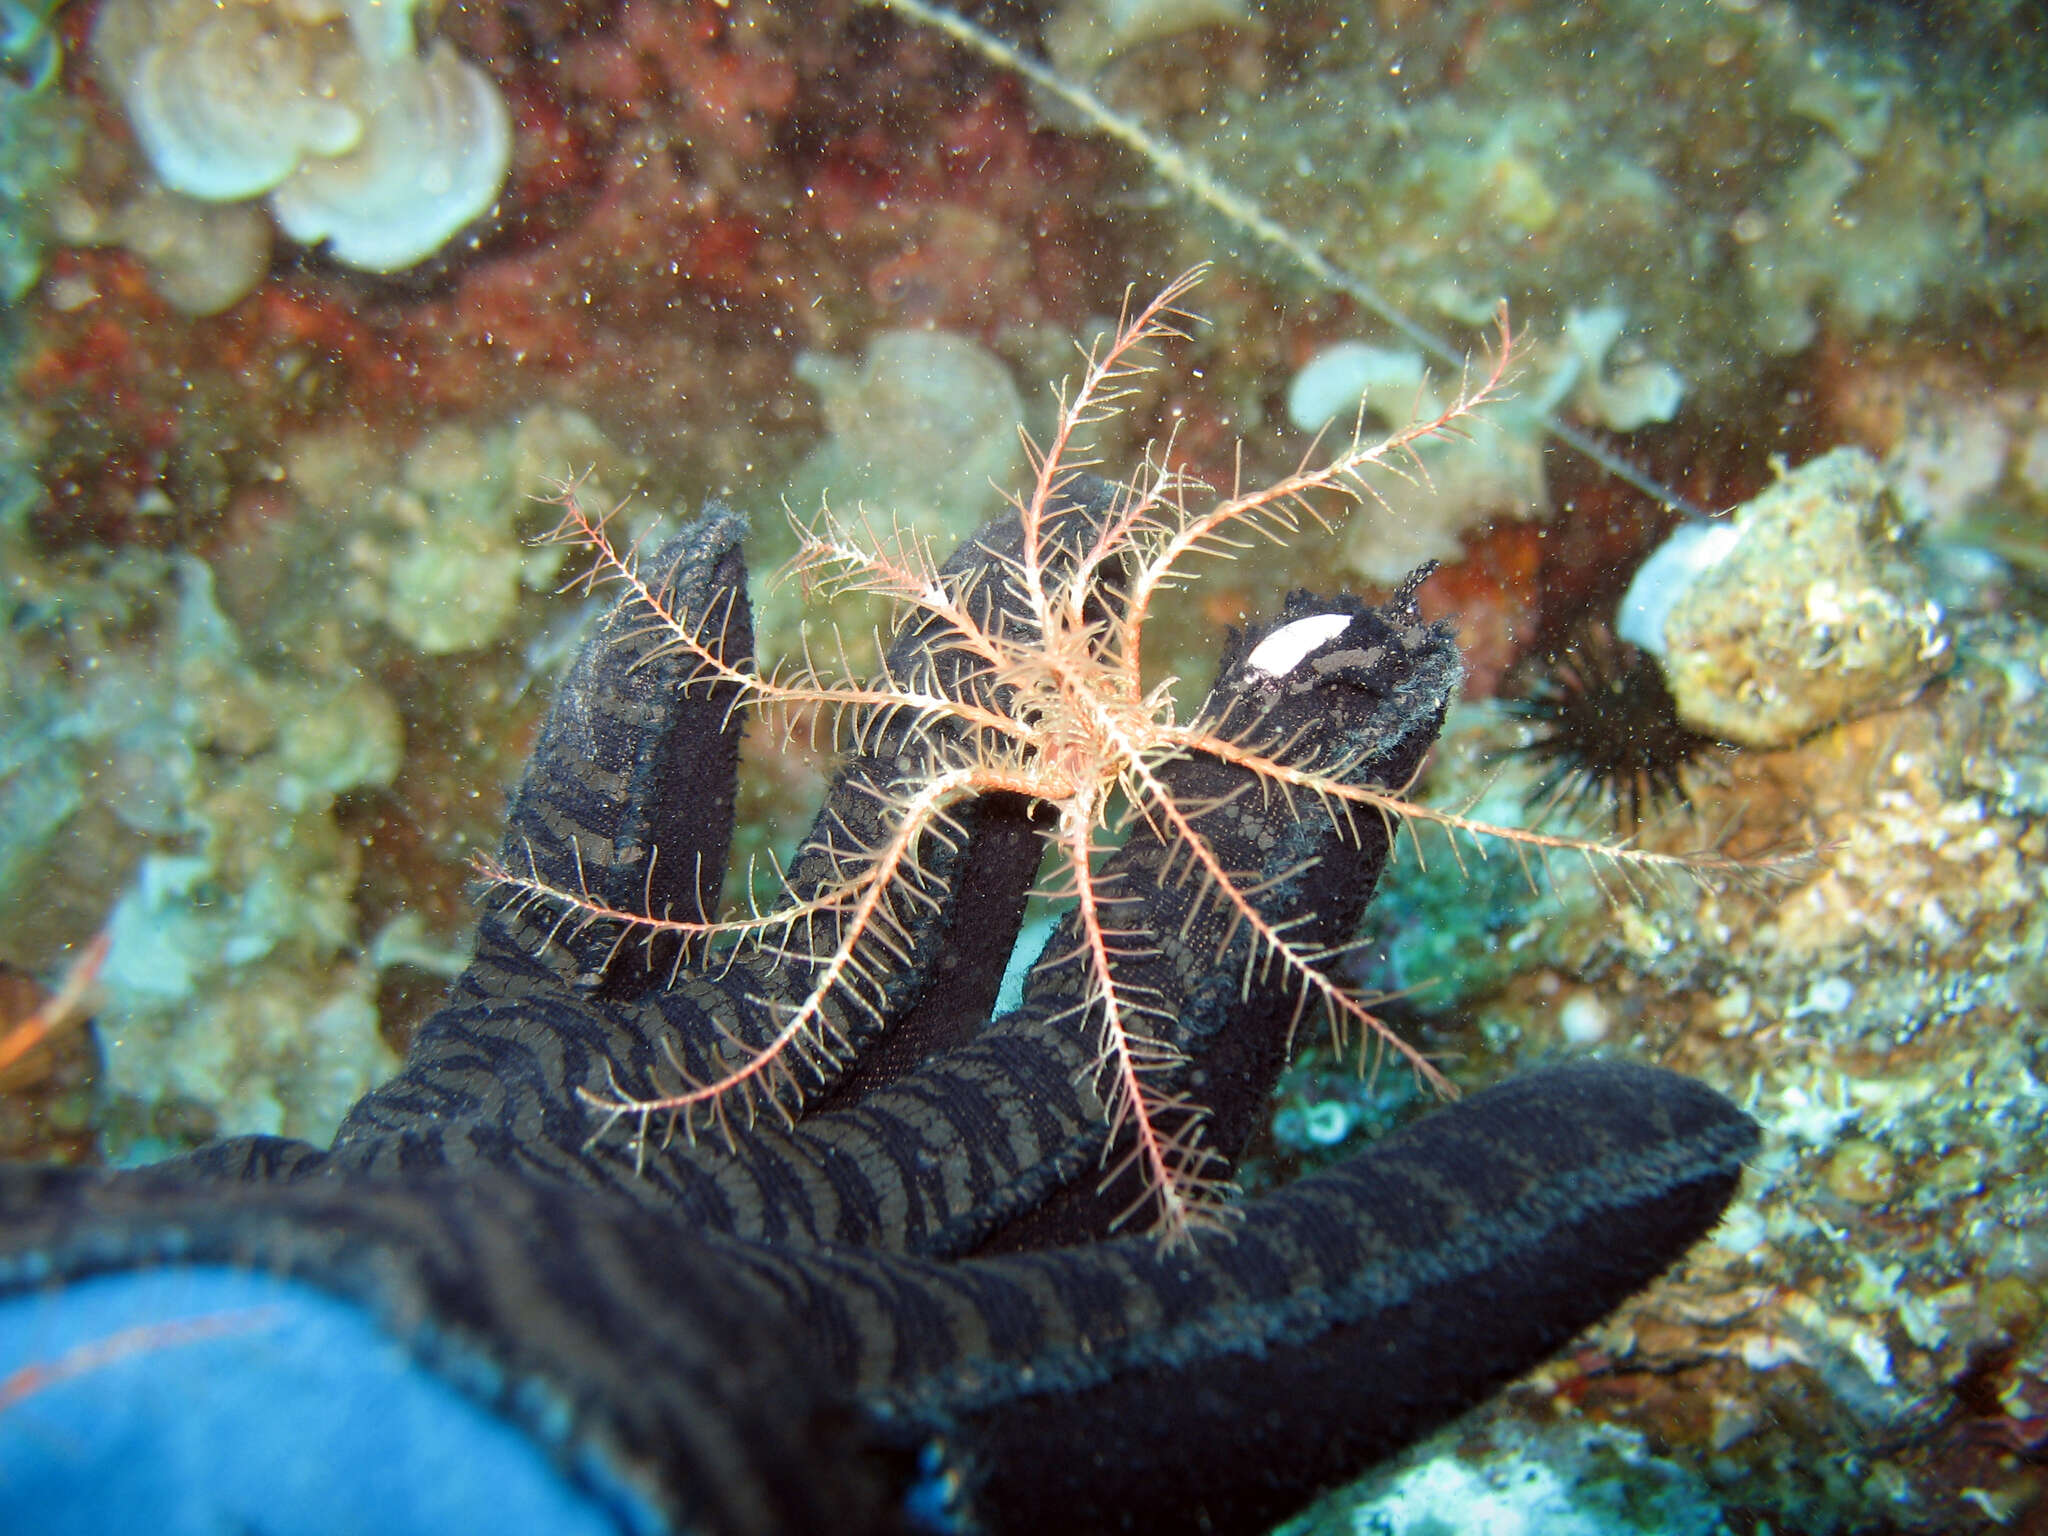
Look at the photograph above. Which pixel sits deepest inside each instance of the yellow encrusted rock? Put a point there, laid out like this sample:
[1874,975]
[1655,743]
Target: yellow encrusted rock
[1812,616]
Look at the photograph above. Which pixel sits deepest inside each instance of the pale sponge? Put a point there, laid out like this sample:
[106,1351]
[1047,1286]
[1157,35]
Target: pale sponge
[327,106]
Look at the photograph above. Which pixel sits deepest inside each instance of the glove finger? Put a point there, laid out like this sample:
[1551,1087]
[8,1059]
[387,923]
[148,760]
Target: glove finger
[628,798]
[1121,1388]
[1191,975]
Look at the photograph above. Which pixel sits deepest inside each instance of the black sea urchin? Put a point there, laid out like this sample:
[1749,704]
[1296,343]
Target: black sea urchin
[1607,727]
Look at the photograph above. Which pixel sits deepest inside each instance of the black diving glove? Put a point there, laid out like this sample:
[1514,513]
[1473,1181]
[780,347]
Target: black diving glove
[885,1291]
